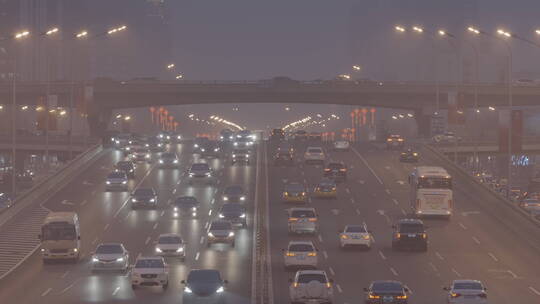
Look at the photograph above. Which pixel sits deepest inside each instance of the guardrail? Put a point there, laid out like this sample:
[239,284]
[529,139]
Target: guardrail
[46,188]
[468,174]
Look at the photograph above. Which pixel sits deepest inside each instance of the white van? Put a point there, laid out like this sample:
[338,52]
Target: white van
[431,192]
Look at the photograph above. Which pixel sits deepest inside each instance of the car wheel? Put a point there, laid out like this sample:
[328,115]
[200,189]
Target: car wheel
[165,286]
[133,286]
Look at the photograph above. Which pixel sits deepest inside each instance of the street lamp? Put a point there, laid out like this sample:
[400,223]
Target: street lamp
[179,76]
[356,67]
[170,66]
[400,28]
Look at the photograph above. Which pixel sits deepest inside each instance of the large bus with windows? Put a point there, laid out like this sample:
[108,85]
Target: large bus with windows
[431,192]
[60,237]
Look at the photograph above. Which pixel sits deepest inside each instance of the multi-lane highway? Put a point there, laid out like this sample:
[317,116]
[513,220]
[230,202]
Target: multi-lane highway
[108,217]
[483,240]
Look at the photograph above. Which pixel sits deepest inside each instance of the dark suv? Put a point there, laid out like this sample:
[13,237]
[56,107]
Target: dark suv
[409,233]
[144,197]
[391,292]
[336,171]
[126,166]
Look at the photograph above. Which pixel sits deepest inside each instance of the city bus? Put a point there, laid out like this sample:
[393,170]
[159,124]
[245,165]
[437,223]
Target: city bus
[60,237]
[431,192]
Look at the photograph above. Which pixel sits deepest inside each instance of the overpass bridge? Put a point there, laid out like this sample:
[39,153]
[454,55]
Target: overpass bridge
[38,144]
[103,96]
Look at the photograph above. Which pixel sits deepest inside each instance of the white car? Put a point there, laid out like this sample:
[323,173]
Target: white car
[150,271]
[342,145]
[117,180]
[355,235]
[300,254]
[314,155]
[466,292]
[311,287]
[110,256]
[302,220]
[171,244]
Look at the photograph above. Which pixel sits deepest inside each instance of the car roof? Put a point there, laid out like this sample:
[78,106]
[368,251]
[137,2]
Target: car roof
[110,244]
[169,235]
[302,209]
[301,272]
[466,281]
[410,221]
[301,243]
[151,258]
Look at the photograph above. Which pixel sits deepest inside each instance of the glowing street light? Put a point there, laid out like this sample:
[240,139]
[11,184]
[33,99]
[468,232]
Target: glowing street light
[51,31]
[418,29]
[170,66]
[356,67]
[474,30]
[117,29]
[400,28]
[504,33]
[491,108]
[127,118]
[179,76]
[81,34]
[22,34]
[441,32]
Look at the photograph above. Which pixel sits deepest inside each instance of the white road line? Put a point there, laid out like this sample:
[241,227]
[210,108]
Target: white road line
[95,241]
[382,255]
[357,211]
[67,288]
[394,271]
[367,165]
[213,201]
[347,190]
[84,202]
[320,238]
[332,272]
[352,200]
[403,211]
[64,274]
[439,256]
[116,290]
[462,226]
[127,215]
[325,254]
[155,226]
[512,274]
[206,225]
[339,288]
[135,188]
[493,256]
[433,267]
[197,256]
[457,273]
[162,213]
[395,201]
[106,227]
[202,239]
[174,191]
[534,290]
[46,292]
[147,241]
[387,191]
[477,241]
[210,212]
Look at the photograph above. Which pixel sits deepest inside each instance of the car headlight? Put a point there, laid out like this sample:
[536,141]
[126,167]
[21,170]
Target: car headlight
[175,161]
[231,234]
[210,234]
[175,209]
[130,170]
[242,198]
[195,145]
[234,155]
[208,174]
[146,145]
[133,199]
[225,198]
[220,289]
[221,215]
[158,249]
[191,174]
[202,150]
[117,142]
[94,259]
[187,290]
[168,137]
[243,215]
[108,182]
[216,149]
[181,249]
[221,137]
[178,137]
[152,200]
[159,145]
[75,249]
[128,148]
[236,144]
[194,209]
[124,182]
[161,161]
[160,135]
[120,259]
[147,156]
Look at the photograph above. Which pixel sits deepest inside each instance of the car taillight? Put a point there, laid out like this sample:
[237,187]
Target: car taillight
[450,203]
[417,204]
[398,235]
[344,236]
[293,219]
[403,297]
[295,285]
[366,237]
[424,235]
[455,295]
[342,170]
[482,295]
[313,219]
[327,170]
[372,296]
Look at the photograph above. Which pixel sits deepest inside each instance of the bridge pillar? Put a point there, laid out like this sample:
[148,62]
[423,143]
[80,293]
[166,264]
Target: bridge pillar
[423,123]
[98,119]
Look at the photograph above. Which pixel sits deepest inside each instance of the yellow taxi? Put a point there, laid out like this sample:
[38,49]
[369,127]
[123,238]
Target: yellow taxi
[326,188]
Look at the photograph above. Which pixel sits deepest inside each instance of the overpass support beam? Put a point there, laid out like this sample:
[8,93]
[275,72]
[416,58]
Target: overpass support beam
[423,123]
[98,121]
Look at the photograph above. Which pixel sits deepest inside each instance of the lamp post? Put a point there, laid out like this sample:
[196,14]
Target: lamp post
[48,33]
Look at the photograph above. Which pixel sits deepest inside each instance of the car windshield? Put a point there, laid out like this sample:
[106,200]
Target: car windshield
[200,167]
[240,151]
[326,184]
[356,228]
[468,285]
[220,226]
[58,231]
[186,200]
[140,151]
[234,190]
[335,166]
[232,208]
[149,263]
[124,165]
[314,150]
[387,287]
[170,239]
[168,155]
[144,192]
[109,249]
[434,183]
[203,276]
[411,228]
[243,139]
[302,213]
[301,247]
[117,175]
[294,188]
[306,278]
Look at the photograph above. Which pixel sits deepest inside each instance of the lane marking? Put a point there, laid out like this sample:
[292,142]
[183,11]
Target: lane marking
[403,211]
[68,288]
[352,200]
[325,254]
[493,256]
[84,202]
[162,213]
[106,227]
[147,241]
[534,290]
[135,188]
[116,290]
[202,239]
[387,191]
[367,165]
[197,256]
[64,275]
[320,238]
[439,256]
[457,273]
[155,226]
[477,241]
[339,288]
[395,201]
[357,211]
[512,274]
[382,255]
[174,191]
[387,167]
[46,292]
[462,226]
[361,182]
[212,201]
[210,212]
[206,225]
[401,182]
[433,267]
[347,190]
[95,241]
[332,272]
[394,271]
